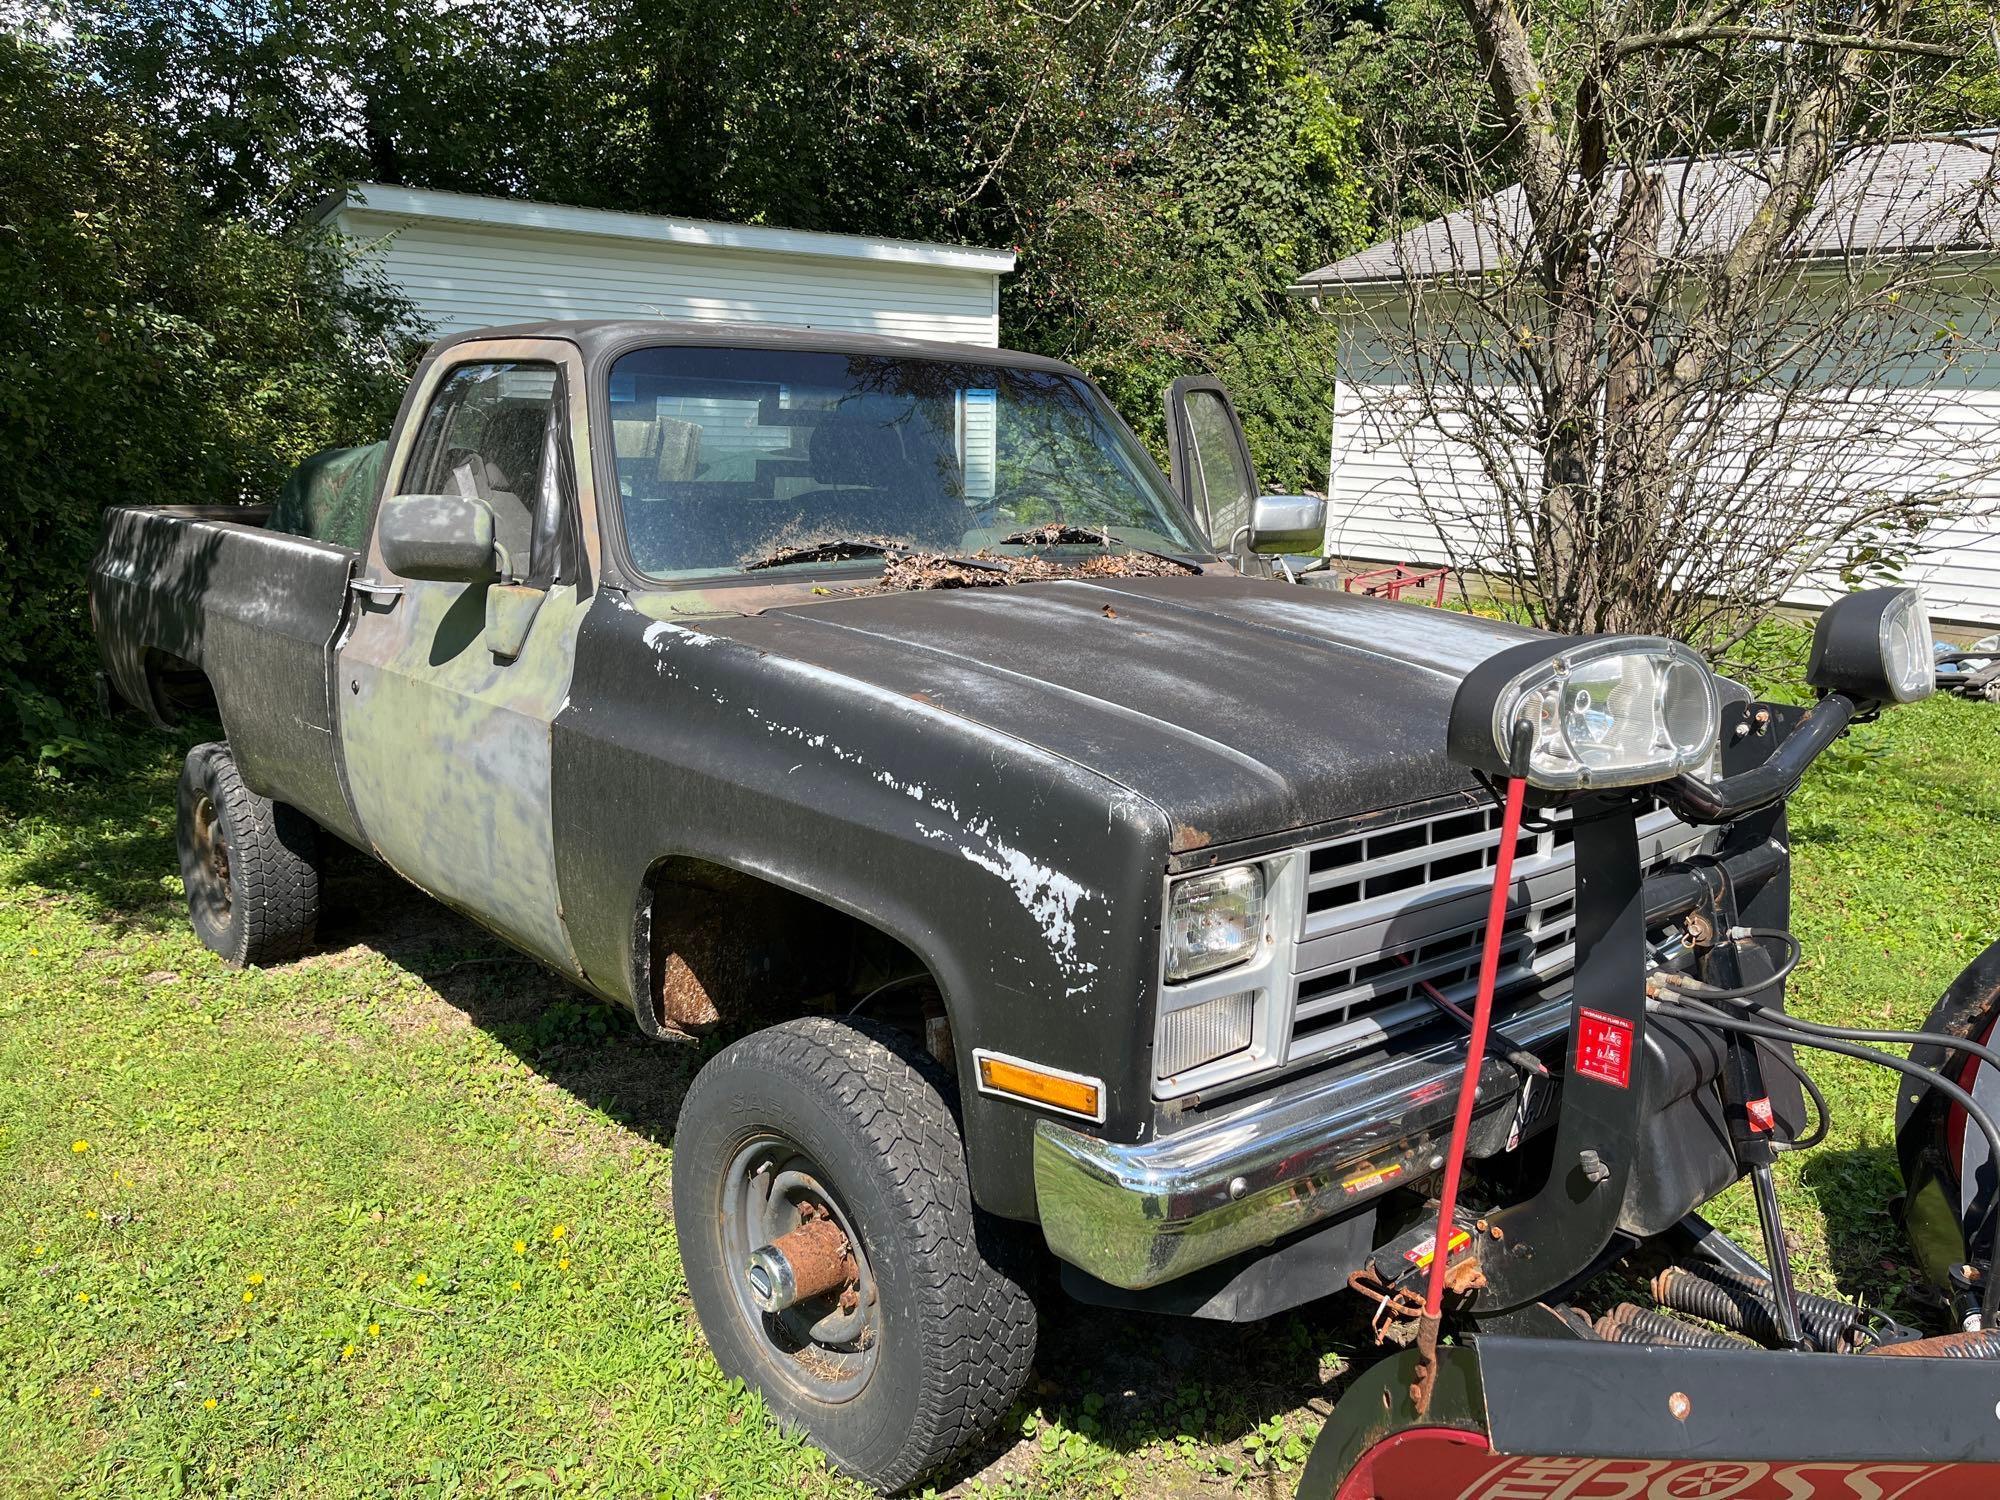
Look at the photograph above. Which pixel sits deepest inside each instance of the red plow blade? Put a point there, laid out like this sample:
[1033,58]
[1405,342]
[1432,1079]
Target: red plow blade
[1542,1419]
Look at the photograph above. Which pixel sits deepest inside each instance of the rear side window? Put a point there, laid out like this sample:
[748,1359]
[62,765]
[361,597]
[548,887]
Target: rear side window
[491,433]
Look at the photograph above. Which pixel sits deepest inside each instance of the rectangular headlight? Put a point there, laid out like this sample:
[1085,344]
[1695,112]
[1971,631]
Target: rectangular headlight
[1204,1033]
[1214,919]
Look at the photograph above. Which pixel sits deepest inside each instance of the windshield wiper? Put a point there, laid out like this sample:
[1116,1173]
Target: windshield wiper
[1062,534]
[825,551]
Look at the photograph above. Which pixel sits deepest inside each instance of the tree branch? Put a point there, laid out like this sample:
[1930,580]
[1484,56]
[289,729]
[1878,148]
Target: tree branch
[1697,34]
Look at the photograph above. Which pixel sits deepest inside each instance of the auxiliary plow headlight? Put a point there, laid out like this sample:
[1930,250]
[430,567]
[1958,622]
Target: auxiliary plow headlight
[1619,711]
[1874,646]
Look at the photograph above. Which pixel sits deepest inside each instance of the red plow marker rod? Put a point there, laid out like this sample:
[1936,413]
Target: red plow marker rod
[1468,1088]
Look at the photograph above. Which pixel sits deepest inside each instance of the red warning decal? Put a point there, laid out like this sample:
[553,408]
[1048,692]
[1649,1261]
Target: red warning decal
[1603,1047]
[1763,1119]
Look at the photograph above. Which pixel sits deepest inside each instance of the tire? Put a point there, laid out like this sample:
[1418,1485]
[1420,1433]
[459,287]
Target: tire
[858,1111]
[250,865]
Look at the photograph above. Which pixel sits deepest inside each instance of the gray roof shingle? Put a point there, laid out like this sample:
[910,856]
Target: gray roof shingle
[1907,195]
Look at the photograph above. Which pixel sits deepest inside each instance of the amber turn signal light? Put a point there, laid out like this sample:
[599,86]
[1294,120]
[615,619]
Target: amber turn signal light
[1014,1078]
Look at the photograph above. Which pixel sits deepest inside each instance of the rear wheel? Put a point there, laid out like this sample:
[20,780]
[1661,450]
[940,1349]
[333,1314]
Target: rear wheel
[833,1251]
[250,865]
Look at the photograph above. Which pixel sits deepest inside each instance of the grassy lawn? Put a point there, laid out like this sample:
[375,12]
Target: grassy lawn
[394,1219]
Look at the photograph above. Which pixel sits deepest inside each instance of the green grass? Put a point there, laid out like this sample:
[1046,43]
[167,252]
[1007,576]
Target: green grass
[394,1219]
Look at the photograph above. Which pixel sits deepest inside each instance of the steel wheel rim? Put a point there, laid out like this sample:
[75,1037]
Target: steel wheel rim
[821,1351]
[211,851]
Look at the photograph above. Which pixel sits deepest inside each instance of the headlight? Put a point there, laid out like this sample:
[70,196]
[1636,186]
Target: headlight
[1214,920]
[1874,646]
[1619,711]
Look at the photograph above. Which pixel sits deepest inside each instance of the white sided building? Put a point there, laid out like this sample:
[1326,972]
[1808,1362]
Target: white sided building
[468,261]
[1395,472]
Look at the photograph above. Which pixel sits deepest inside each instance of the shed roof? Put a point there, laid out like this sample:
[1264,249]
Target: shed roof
[375,200]
[1936,193]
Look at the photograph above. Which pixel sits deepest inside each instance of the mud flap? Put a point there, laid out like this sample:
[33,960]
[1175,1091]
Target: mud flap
[1549,1419]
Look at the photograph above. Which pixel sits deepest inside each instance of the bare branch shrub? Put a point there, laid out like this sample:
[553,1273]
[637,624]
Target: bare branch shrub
[1703,335]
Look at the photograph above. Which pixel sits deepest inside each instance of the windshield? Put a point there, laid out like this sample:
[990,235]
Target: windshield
[731,457]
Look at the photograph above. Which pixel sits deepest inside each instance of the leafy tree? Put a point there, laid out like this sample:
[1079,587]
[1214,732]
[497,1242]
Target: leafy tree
[153,354]
[1162,167]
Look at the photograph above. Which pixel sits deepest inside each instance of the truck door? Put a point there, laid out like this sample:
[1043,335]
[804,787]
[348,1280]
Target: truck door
[1210,460]
[448,690]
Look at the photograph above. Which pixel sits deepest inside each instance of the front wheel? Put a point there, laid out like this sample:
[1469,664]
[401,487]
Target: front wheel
[833,1251]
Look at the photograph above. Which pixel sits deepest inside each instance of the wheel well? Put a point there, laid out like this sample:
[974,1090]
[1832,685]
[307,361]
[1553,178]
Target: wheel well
[179,690]
[717,949]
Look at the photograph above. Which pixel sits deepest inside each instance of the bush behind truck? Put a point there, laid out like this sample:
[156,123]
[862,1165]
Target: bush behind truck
[1059,875]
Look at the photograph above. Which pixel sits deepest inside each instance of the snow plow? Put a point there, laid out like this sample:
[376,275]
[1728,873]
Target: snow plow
[1727,1382]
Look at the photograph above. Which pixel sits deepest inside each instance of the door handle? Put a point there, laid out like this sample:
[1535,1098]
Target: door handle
[376,591]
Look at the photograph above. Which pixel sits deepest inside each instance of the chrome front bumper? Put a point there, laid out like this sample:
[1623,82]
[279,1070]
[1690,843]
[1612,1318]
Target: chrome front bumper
[1143,1214]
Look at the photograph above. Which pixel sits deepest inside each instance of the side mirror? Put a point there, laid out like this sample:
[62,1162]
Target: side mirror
[1874,646]
[1287,523]
[445,538]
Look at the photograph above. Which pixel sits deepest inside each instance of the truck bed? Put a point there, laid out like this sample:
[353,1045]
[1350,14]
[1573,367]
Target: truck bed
[256,612]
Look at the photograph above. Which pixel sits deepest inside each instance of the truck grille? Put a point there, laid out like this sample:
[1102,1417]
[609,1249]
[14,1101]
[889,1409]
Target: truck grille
[1403,904]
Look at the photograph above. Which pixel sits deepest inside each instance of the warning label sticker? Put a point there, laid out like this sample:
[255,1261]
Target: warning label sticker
[1603,1047]
[1424,1251]
[1763,1119]
[1372,1177]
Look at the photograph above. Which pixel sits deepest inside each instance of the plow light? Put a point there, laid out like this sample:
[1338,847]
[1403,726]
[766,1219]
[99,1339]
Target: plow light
[1617,711]
[1874,646]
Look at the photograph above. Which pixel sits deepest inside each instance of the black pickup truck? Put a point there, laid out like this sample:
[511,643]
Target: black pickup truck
[881,706]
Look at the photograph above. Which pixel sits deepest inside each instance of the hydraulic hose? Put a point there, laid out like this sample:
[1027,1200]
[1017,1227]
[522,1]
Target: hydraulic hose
[1812,1091]
[1701,991]
[1698,1014]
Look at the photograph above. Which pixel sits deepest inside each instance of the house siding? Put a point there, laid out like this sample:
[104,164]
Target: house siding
[463,276]
[1394,475]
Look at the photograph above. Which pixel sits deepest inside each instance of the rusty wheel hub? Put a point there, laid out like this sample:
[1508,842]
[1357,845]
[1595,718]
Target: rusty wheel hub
[211,845]
[803,1284]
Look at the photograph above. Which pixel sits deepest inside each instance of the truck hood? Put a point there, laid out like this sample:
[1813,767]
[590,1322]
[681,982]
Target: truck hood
[1239,707]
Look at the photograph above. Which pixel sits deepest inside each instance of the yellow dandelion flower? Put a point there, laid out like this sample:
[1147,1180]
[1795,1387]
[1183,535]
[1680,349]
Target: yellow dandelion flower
[209,1404]
[423,1278]
[374,1330]
[559,1231]
[90,1213]
[97,1390]
[347,1351]
[520,1247]
[41,1249]
[255,1278]
[83,1296]
[79,1146]
[249,1296]
[563,1264]
[517,1286]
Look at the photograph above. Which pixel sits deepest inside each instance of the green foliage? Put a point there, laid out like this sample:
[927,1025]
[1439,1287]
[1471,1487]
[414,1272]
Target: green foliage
[1164,170]
[151,354]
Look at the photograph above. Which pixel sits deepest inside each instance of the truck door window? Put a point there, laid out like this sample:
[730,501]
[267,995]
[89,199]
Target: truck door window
[488,435]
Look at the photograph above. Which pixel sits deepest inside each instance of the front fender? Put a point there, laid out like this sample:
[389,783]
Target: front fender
[1027,884]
